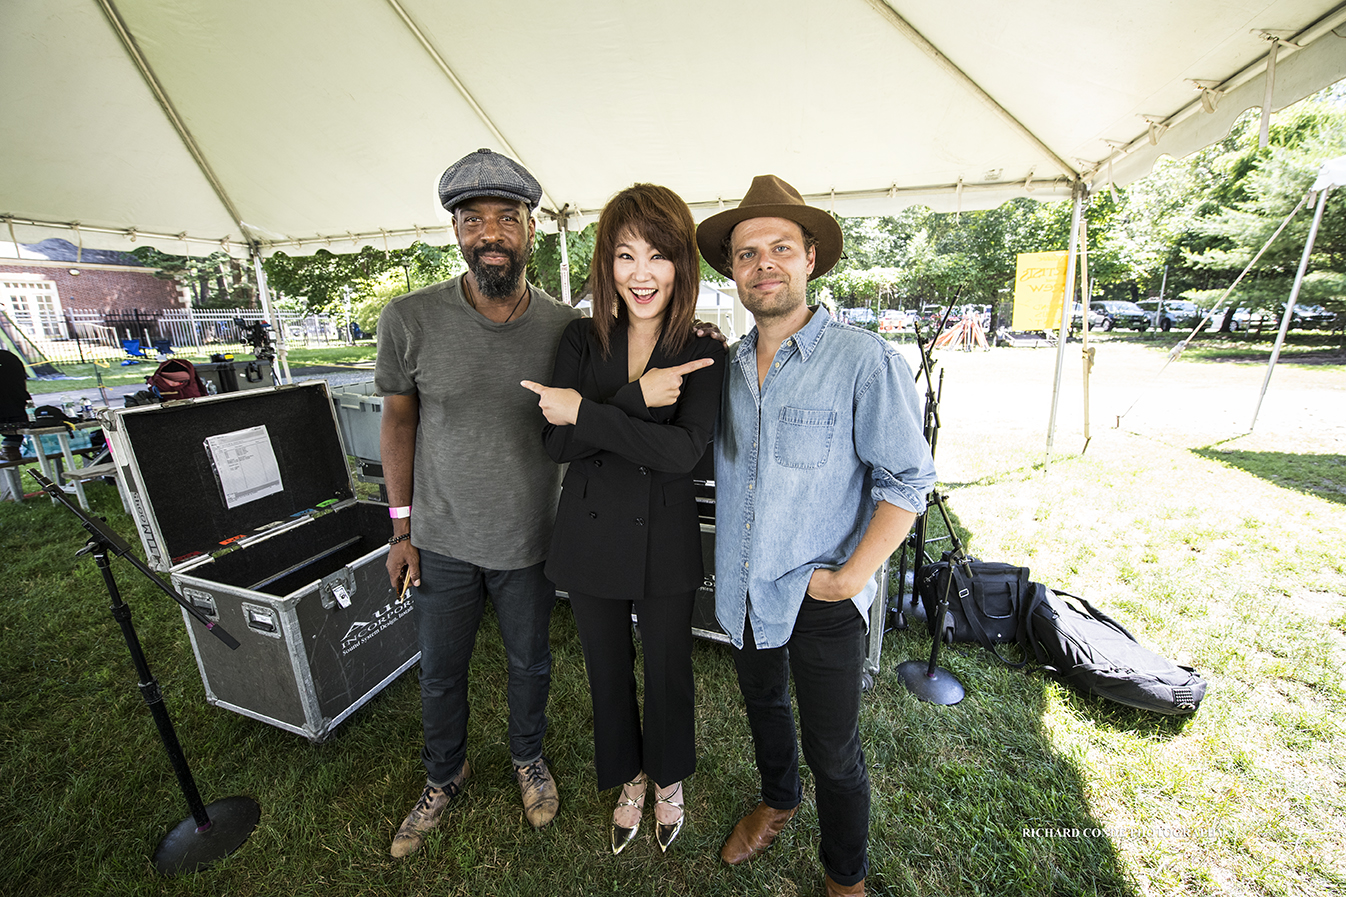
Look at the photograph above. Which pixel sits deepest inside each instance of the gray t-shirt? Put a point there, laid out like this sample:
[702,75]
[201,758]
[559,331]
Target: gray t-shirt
[484,491]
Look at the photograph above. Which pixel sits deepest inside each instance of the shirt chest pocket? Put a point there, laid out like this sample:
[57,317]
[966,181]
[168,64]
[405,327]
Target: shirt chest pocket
[804,437]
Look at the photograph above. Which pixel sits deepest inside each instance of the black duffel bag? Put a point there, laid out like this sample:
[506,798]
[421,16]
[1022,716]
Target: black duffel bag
[986,602]
[1085,648]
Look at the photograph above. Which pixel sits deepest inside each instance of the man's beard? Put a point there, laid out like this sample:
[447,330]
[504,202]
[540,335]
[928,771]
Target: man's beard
[779,306]
[494,281]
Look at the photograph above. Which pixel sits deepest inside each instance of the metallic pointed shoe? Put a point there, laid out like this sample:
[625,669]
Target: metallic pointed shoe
[665,832]
[621,835]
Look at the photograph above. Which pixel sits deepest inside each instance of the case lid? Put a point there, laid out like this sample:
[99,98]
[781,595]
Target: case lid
[206,472]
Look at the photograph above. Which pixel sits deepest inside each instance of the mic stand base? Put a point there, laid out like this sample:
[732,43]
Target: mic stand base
[187,848]
[937,686]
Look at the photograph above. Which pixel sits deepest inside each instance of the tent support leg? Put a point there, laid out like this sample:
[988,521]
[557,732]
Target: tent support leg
[282,371]
[1066,305]
[565,257]
[1086,353]
[1290,306]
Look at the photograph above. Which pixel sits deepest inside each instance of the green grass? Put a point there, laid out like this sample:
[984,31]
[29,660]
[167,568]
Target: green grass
[1023,788]
[1311,347]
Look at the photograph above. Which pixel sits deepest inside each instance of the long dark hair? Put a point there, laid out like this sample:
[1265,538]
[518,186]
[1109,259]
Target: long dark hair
[659,217]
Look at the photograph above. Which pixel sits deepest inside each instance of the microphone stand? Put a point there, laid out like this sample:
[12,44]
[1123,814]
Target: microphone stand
[916,540]
[201,839]
[930,682]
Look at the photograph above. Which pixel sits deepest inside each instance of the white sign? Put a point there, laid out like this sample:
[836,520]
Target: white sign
[245,464]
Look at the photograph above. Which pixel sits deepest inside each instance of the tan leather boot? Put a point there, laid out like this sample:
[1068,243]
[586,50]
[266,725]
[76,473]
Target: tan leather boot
[754,833]
[836,890]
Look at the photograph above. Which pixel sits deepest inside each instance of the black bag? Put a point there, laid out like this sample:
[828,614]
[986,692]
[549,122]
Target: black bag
[985,607]
[1087,649]
[51,416]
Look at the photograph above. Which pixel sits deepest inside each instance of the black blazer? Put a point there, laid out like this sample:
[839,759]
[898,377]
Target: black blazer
[627,526]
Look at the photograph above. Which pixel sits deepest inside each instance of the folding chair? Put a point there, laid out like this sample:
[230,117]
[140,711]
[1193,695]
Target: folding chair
[132,348]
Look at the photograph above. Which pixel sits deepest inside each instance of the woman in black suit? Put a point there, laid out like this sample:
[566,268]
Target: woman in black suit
[631,406]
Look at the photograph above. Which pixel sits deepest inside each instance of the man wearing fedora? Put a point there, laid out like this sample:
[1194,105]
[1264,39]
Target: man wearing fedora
[820,470]
[472,492]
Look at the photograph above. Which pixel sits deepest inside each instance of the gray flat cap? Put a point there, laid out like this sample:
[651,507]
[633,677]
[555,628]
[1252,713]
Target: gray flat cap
[485,173]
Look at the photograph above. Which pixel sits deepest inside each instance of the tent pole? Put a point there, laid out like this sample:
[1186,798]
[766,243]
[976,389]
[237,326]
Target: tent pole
[1290,306]
[1264,129]
[1066,309]
[1086,354]
[565,257]
[282,372]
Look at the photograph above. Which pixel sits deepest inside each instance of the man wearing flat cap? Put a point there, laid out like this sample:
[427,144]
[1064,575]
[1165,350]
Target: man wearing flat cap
[472,493]
[820,470]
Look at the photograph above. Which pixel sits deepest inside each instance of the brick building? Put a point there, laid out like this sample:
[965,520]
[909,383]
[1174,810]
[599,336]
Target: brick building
[47,278]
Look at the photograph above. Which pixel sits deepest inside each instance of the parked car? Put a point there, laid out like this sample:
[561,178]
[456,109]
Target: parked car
[859,316]
[895,319]
[1095,317]
[1177,313]
[1256,319]
[1312,317]
[1120,313]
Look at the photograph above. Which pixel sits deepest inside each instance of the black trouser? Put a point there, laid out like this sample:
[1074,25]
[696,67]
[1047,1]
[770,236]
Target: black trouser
[665,746]
[826,655]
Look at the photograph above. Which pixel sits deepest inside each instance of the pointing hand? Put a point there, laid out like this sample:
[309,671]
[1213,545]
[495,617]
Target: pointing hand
[559,406]
[662,386]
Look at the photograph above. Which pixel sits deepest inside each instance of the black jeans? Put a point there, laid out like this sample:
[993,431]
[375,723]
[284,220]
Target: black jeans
[449,606]
[825,654]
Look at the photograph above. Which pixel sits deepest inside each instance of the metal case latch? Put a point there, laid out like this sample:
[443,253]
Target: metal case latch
[338,589]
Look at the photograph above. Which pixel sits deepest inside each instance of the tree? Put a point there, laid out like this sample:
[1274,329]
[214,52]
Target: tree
[320,283]
[1271,181]
[214,281]
[1202,218]
[544,269]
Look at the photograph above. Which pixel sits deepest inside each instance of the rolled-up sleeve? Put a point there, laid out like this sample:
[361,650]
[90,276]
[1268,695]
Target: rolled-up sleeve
[888,436]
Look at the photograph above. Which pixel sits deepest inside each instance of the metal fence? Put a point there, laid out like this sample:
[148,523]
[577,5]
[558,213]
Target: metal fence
[91,335]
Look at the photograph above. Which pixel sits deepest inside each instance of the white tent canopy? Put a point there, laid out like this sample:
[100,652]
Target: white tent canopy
[193,124]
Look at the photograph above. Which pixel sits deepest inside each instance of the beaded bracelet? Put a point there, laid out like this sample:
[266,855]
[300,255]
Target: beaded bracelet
[402,538]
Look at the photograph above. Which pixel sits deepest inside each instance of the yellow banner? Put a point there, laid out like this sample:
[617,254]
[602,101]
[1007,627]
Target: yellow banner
[1039,290]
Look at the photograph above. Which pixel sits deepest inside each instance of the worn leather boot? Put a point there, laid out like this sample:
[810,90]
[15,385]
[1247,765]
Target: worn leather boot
[538,788]
[836,890]
[426,814]
[754,833]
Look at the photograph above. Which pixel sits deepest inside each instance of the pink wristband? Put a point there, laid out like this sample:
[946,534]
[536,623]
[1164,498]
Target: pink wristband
[399,513]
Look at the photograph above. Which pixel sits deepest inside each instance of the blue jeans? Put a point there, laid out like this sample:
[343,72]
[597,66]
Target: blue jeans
[825,655]
[449,605]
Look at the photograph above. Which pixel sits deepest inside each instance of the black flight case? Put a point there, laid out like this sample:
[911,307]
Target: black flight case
[246,500]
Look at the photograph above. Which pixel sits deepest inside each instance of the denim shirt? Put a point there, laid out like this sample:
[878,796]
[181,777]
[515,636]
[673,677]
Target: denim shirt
[801,464]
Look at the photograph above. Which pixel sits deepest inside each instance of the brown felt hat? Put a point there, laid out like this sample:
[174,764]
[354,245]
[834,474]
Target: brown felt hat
[770,197]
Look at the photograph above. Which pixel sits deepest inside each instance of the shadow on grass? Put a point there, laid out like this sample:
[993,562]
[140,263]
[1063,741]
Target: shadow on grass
[976,797]
[967,800]
[1323,476]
